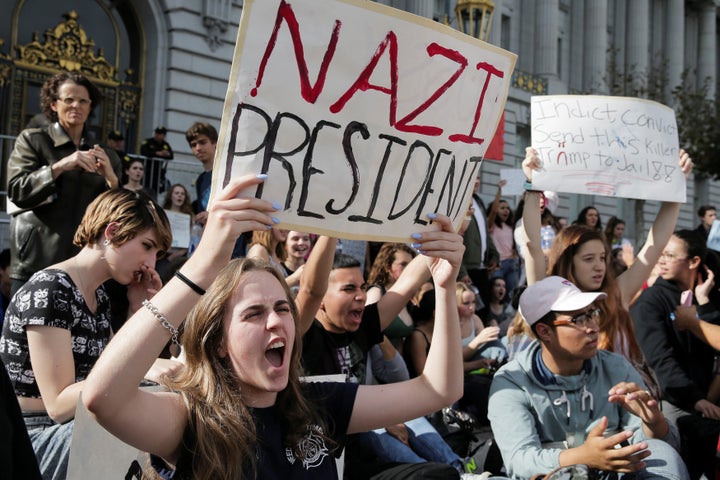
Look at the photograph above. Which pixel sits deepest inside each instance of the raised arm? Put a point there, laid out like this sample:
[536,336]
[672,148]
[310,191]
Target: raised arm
[632,279]
[155,421]
[314,281]
[534,258]
[492,214]
[398,296]
[440,383]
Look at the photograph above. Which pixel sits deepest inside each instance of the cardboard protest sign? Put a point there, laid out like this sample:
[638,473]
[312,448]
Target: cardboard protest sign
[611,146]
[365,118]
[515,181]
[180,226]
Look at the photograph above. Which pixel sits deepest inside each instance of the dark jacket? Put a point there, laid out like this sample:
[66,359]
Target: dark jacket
[42,234]
[473,258]
[683,363]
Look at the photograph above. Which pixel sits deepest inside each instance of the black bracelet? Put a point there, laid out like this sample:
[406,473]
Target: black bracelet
[190,283]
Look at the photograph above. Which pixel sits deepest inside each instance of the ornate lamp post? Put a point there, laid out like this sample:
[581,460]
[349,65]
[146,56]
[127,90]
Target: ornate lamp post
[475,17]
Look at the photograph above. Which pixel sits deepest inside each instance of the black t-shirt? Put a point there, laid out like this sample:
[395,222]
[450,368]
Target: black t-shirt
[326,353]
[16,453]
[335,403]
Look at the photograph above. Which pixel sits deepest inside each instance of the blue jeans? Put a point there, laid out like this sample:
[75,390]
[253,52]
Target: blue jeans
[426,445]
[51,442]
[663,463]
[510,270]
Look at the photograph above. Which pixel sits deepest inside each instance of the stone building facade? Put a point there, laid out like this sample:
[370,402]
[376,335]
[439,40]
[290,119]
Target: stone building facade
[172,59]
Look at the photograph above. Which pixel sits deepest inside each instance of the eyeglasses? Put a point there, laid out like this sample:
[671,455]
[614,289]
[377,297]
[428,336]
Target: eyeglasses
[581,320]
[70,101]
[671,257]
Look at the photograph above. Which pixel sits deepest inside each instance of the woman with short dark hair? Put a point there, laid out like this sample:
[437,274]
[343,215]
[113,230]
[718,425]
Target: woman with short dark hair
[53,173]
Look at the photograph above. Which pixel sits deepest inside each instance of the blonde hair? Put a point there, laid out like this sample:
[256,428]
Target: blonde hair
[133,212]
[461,288]
[266,239]
[519,326]
[221,422]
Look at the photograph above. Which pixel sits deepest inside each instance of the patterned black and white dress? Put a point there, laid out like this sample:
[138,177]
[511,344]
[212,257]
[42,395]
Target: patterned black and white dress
[50,298]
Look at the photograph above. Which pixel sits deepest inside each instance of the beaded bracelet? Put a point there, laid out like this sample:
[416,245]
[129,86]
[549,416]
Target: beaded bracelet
[194,286]
[175,344]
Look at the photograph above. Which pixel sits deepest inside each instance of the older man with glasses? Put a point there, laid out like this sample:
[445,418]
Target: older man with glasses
[563,402]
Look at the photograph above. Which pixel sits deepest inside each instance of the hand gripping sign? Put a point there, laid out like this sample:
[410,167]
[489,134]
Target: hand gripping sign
[365,118]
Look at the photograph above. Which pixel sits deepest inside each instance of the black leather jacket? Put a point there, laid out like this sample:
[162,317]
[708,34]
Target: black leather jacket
[41,234]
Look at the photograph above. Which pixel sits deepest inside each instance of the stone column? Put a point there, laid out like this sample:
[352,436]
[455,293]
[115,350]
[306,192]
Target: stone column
[707,51]
[528,46]
[546,37]
[577,42]
[675,28]
[638,40]
[596,45]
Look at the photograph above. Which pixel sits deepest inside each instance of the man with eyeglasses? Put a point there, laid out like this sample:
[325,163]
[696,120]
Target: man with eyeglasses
[684,365]
[563,402]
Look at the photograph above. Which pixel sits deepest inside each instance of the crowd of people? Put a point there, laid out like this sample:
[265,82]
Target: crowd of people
[564,342]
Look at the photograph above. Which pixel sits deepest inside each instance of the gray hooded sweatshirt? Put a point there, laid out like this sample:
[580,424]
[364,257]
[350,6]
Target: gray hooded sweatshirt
[535,414]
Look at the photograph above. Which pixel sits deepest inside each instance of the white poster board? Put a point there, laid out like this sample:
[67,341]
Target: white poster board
[713,239]
[610,146]
[515,181]
[180,226]
[364,117]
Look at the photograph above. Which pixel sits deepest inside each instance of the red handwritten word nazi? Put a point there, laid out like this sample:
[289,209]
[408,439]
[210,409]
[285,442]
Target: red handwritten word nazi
[311,92]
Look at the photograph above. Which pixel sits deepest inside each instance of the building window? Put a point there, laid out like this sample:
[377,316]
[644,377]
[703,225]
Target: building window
[505,32]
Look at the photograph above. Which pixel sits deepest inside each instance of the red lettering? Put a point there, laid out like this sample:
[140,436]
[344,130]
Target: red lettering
[470,138]
[433,49]
[309,92]
[363,81]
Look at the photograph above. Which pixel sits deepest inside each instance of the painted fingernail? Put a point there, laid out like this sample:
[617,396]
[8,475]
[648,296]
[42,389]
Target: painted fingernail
[277,206]
[275,220]
[416,246]
[416,236]
[421,251]
[261,176]
[268,227]
[432,216]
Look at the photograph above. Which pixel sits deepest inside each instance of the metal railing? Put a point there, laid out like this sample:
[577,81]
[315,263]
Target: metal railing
[154,179]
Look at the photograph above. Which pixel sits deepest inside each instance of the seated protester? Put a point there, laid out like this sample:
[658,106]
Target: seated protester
[498,312]
[346,330]
[414,441]
[682,362]
[58,323]
[482,353]
[389,264]
[563,402]
[417,345]
[239,410]
[269,246]
[297,247]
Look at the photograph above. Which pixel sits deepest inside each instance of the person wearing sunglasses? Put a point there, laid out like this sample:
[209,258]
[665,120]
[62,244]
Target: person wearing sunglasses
[562,401]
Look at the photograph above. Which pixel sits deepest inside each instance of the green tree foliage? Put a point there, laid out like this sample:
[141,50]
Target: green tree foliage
[699,131]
